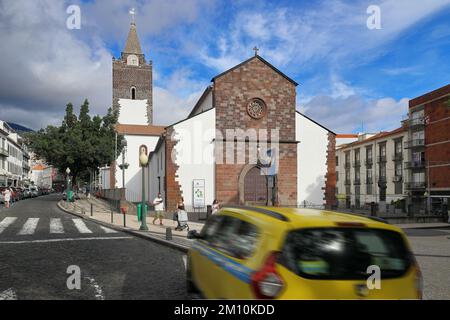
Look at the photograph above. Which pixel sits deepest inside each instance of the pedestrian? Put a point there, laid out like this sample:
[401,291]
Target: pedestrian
[7,197]
[215,206]
[159,208]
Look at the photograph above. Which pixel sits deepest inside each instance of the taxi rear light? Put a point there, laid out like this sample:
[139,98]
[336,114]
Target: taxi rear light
[350,224]
[267,283]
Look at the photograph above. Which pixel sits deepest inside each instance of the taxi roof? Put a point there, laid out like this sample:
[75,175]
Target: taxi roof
[303,217]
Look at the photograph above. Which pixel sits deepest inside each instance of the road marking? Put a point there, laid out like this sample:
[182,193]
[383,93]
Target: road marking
[29,227]
[56,226]
[6,223]
[67,239]
[8,295]
[108,230]
[185,262]
[81,226]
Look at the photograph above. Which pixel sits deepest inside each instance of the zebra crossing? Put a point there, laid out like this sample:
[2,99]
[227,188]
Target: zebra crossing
[55,226]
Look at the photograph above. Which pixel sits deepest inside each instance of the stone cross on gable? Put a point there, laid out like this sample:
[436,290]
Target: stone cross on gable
[256,50]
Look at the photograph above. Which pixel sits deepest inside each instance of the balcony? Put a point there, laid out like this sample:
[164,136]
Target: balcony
[416,143]
[415,185]
[381,159]
[415,165]
[397,157]
[369,180]
[356,163]
[4,152]
[369,162]
[417,122]
[347,165]
[397,179]
[347,182]
[357,181]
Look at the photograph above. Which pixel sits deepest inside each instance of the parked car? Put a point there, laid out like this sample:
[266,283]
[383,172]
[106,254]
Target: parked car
[286,253]
[27,193]
[34,191]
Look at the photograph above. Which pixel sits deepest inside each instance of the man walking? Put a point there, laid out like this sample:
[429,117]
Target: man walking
[159,208]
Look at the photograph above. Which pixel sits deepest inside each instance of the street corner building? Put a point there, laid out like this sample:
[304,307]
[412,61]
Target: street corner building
[243,143]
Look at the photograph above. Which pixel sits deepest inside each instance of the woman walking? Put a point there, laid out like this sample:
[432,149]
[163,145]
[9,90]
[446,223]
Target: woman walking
[7,197]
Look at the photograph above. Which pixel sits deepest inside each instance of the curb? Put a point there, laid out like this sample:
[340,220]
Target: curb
[425,227]
[138,234]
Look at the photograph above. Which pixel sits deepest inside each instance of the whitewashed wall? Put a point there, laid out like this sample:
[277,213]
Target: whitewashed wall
[311,160]
[195,154]
[133,175]
[133,112]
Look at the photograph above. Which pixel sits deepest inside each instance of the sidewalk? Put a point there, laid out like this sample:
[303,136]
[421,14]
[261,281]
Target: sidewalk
[102,214]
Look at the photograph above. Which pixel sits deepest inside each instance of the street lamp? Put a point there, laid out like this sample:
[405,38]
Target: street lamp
[124,165]
[68,184]
[143,160]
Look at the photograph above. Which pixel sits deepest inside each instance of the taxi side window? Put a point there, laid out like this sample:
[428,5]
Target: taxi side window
[235,238]
[209,230]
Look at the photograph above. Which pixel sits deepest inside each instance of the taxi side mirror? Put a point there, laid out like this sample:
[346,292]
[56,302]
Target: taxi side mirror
[193,234]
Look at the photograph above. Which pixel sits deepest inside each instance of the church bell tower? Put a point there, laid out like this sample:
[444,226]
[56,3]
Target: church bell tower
[132,83]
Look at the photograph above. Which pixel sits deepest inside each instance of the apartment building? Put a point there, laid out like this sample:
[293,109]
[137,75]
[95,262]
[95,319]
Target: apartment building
[14,158]
[428,146]
[371,169]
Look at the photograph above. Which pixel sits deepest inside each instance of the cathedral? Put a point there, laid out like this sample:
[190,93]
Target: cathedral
[243,142]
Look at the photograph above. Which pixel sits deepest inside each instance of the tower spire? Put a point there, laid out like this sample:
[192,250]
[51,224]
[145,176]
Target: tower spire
[133,45]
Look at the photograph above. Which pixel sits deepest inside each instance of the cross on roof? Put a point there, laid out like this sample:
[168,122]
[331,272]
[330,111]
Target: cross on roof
[133,15]
[256,50]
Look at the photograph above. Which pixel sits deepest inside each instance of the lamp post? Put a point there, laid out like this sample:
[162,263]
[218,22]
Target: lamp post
[143,159]
[68,184]
[124,165]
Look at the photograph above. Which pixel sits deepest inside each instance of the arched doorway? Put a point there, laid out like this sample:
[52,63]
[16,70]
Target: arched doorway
[255,191]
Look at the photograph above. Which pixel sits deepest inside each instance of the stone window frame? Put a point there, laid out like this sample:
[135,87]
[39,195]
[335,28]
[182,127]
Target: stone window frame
[264,111]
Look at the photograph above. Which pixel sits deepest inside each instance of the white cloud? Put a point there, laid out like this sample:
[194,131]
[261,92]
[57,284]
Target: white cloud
[348,114]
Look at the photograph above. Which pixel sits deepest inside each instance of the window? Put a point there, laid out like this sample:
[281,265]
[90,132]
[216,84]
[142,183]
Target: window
[345,253]
[233,237]
[383,150]
[398,147]
[133,93]
[369,189]
[398,169]
[337,161]
[357,155]
[337,176]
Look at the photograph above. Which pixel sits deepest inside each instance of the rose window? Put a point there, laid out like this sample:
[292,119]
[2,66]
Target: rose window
[256,109]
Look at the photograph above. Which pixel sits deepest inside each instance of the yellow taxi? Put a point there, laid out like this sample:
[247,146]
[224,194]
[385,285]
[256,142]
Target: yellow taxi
[295,253]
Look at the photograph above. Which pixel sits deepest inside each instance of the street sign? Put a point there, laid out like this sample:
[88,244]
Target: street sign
[198,193]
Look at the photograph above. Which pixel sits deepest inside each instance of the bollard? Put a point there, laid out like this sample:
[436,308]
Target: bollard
[168,233]
[92,209]
[124,212]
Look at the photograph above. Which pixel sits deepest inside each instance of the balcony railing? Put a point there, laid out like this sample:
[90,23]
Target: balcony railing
[369,180]
[415,143]
[397,157]
[4,152]
[397,179]
[381,158]
[415,165]
[357,163]
[382,180]
[347,165]
[347,182]
[357,181]
[416,122]
[415,185]
[369,161]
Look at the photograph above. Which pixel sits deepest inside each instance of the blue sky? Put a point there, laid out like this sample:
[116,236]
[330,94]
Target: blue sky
[349,75]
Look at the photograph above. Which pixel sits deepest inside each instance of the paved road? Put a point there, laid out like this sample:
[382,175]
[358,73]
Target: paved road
[39,242]
[432,250]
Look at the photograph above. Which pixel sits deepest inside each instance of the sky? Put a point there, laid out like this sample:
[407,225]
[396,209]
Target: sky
[351,78]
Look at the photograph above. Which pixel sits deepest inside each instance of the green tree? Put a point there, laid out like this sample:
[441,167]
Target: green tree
[81,143]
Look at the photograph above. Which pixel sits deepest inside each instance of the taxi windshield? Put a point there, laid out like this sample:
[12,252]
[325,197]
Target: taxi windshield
[345,253]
